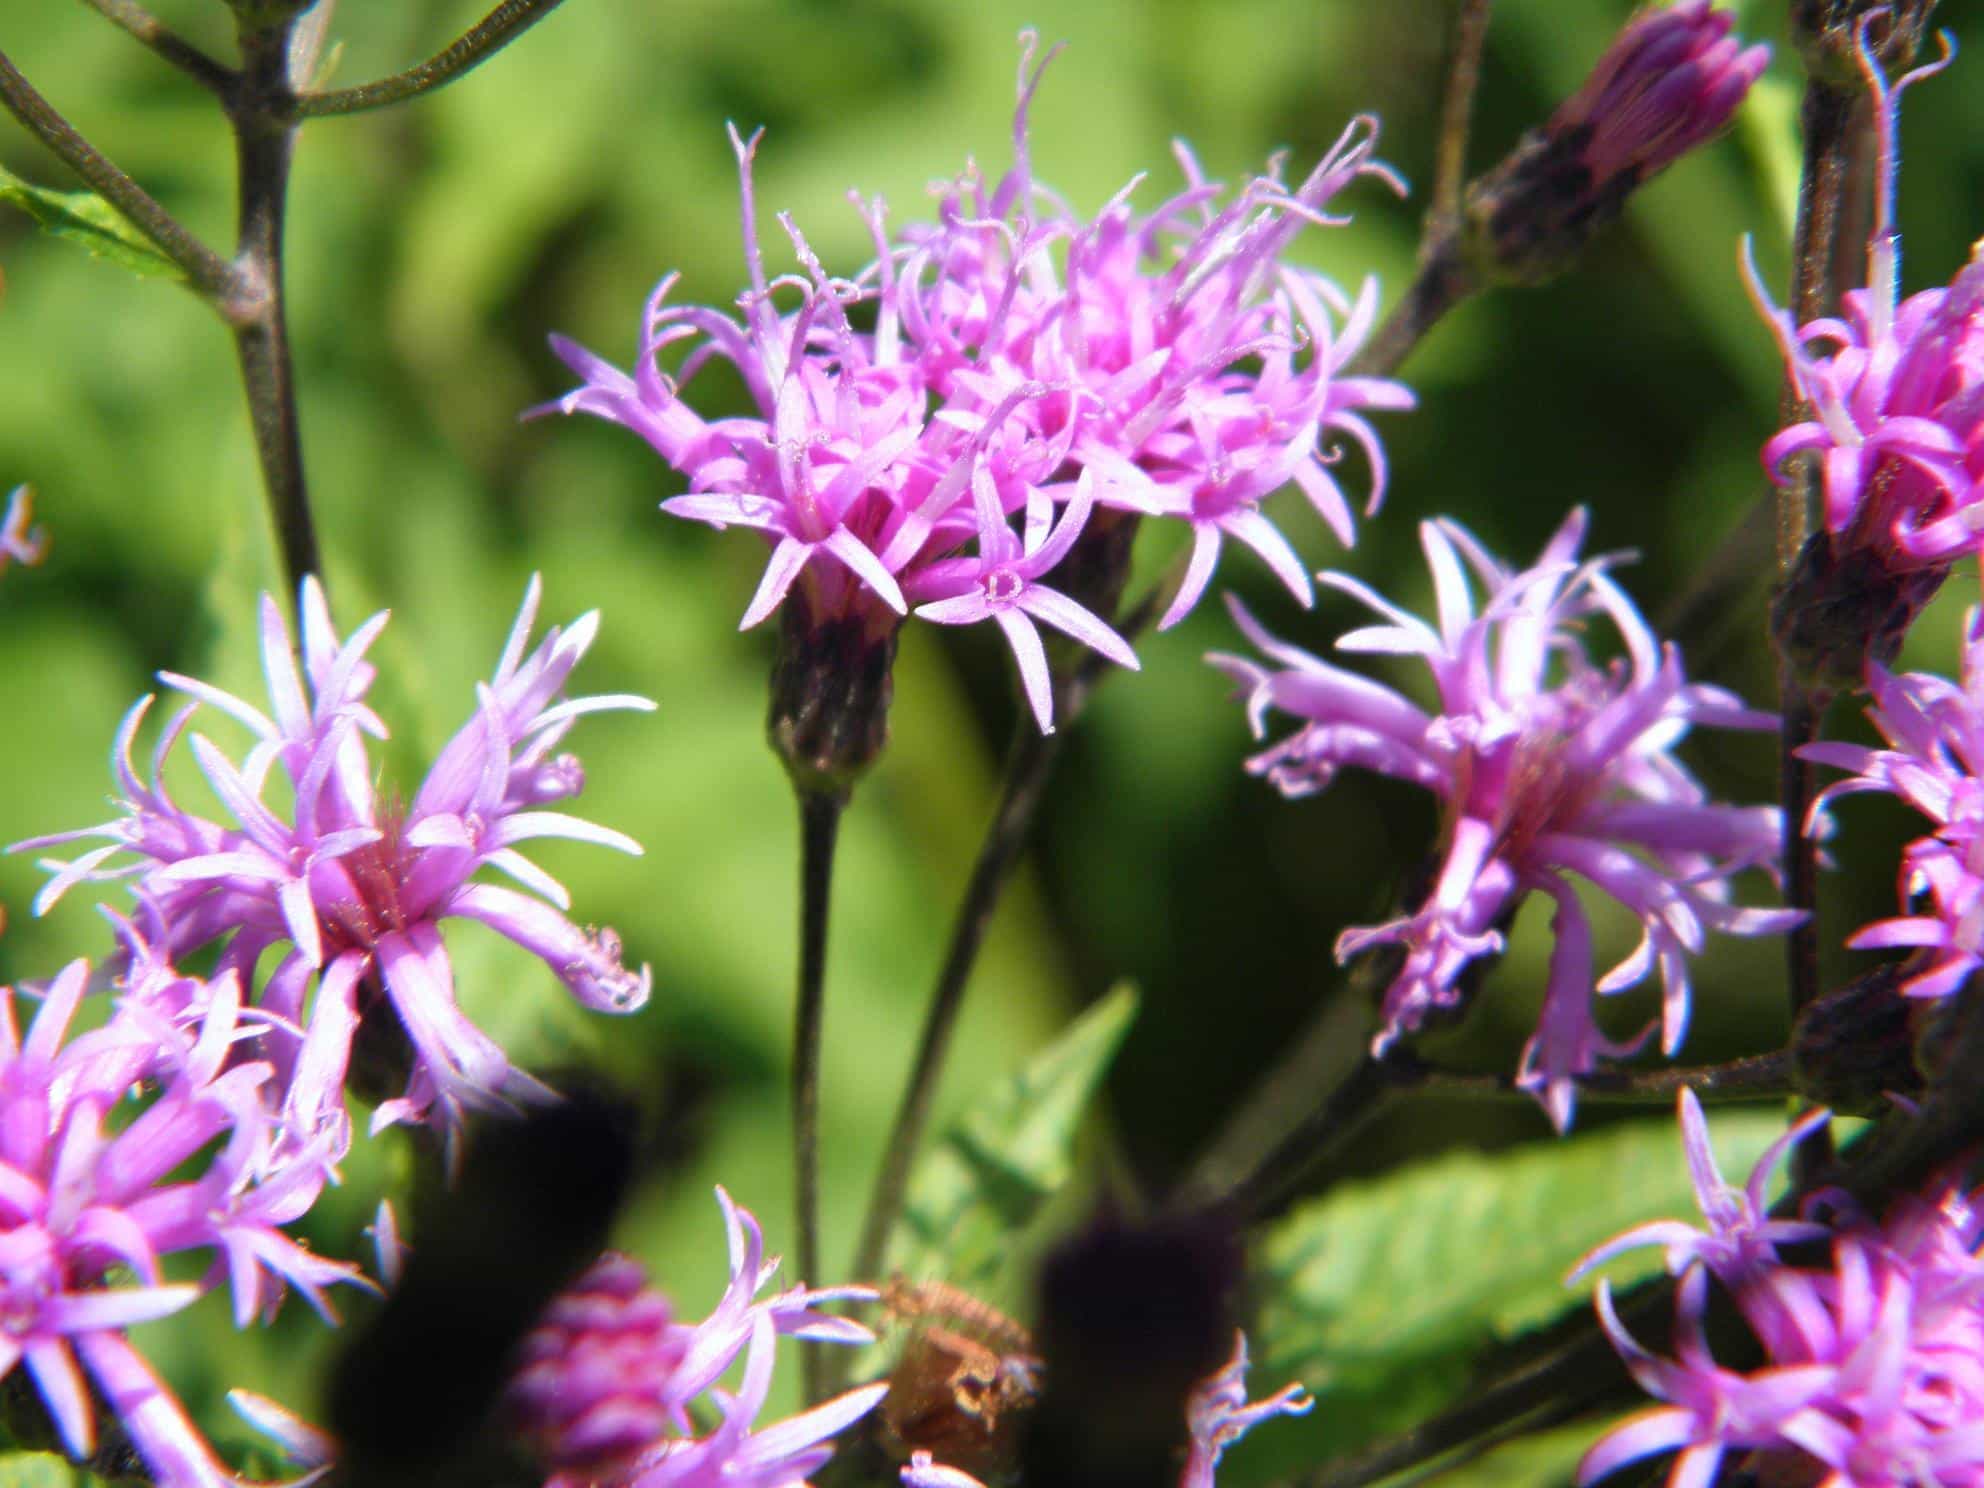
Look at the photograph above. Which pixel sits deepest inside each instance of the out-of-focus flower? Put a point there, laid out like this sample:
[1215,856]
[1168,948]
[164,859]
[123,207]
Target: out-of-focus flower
[1549,766]
[1219,1414]
[1022,358]
[1874,1362]
[356,885]
[83,1201]
[1670,81]
[1896,392]
[19,542]
[604,1382]
[1934,762]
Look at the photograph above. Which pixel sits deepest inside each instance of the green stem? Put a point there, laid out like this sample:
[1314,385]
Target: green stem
[475,46]
[210,274]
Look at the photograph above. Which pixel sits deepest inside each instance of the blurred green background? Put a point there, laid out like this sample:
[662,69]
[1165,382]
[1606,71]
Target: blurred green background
[433,248]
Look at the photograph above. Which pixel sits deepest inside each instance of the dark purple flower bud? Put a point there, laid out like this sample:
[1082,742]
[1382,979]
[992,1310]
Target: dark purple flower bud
[1671,80]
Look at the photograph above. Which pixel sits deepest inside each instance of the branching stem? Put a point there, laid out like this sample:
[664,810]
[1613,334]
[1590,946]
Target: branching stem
[167,43]
[264,135]
[475,46]
[1457,116]
[210,274]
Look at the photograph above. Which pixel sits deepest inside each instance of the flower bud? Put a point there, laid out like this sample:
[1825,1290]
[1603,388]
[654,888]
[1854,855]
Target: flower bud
[830,690]
[1670,81]
[587,1392]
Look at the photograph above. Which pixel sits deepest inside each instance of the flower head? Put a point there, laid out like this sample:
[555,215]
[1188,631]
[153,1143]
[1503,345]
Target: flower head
[83,1201]
[1896,392]
[1022,360]
[355,884]
[1874,1360]
[603,1384]
[1934,762]
[1548,765]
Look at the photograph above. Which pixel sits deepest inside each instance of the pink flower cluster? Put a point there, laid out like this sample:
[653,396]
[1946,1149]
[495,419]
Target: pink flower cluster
[1896,389]
[1934,762]
[604,1382]
[349,884]
[1874,1372]
[1026,366]
[147,1137]
[1549,767]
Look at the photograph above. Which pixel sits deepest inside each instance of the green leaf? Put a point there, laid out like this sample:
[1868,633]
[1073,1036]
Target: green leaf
[36,1470]
[86,219]
[1009,1154]
[1542,1459]
[1381,1294]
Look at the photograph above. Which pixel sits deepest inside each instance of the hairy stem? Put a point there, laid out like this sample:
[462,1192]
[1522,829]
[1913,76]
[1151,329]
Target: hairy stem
[1323,1132]
[475,46]
[167,43]
[264,135]
[819,829]
[210,274]
[1457,117]
[1442,282]
[1829,151]
[1756,1077]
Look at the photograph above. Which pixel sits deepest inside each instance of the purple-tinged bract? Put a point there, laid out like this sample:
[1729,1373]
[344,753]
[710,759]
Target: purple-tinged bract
[1935,762]
[1026,366]
[1873,1372]
[89,1193]
[1550,767]
[354,884]
[603,1384]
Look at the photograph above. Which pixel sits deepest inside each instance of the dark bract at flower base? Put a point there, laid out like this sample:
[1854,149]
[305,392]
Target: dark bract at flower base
[1550,767]
[1026,365]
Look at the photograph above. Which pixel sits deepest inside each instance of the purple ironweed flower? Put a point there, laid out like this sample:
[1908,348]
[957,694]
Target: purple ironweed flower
[1217,1415]
[355,886]
[20,543]
[1935,730]
[1021,359]
[603,1383]
[1669,82]
[1874,1372]
[1549,766]
[1896,389]
[82,1200]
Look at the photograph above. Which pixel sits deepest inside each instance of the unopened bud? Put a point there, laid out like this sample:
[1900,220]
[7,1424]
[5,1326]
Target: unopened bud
[1670,81]
[830,690]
